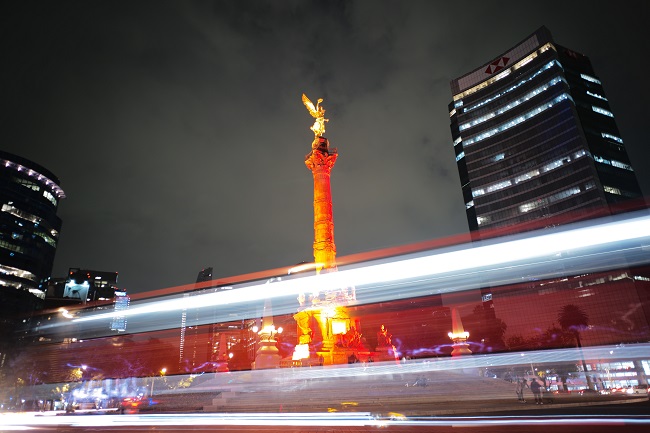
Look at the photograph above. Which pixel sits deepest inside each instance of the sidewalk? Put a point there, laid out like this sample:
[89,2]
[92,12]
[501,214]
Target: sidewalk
[443,393]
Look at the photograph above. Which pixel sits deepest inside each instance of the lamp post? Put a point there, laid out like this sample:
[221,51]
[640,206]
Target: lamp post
[153,378]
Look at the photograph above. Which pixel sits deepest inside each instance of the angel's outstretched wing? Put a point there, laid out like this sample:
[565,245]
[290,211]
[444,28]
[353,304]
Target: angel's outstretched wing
[310,107]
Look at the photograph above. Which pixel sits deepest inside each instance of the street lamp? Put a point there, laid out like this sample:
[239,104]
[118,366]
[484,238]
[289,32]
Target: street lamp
[153,378]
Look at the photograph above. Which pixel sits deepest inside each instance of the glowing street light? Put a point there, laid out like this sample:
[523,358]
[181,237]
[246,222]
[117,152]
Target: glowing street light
[153,378]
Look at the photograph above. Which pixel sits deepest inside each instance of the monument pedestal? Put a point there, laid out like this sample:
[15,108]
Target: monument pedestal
[268,356]
[386,353]
[222,364]
[460,348]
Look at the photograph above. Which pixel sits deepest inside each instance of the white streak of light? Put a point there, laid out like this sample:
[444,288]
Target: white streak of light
[481,256]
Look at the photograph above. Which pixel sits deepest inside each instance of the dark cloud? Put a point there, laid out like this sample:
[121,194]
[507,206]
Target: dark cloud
[178,134]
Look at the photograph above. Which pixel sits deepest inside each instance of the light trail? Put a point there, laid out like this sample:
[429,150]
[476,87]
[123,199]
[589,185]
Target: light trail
[583,247]
[336,379]
[29,421]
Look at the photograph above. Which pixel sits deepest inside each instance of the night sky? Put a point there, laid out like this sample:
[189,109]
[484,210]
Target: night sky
[178,132]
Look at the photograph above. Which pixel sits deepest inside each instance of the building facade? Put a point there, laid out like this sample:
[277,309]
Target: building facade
[89,286]
[29,233]
[536,145]
[29,225]
[535,138]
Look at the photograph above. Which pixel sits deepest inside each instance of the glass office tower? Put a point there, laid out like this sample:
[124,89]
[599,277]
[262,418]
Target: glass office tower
[535,138]
[29,225]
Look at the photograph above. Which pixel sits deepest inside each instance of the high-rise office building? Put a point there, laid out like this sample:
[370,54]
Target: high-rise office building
[29,233]
[536,144]
[535,137]
[29,226]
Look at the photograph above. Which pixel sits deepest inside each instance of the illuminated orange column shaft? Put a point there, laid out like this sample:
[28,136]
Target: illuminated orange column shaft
[320,161]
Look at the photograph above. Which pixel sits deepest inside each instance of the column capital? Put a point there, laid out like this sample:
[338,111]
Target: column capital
[319,160]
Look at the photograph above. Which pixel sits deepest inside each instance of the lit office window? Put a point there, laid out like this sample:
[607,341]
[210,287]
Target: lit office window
[20,214]
[511,104]
[498,186]
[555,164]
[612,190]
[590,78]
[526,176]
[514,122]
[510,89]
[621,165]
[27,184]
[531,174]
[460,156]
[46,238]
[613,163]
[612,137]
[17,272]
[602,111]
[564,194]
[48,195]
[596,95]
[527,207]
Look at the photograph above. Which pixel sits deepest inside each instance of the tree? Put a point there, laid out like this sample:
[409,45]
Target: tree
[573,319]
[485,327]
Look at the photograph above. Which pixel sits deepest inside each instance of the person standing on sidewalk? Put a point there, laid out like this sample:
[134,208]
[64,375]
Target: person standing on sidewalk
[519,389]
[536,388]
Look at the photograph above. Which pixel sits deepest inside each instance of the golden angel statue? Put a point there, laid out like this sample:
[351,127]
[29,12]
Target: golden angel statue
[318,113]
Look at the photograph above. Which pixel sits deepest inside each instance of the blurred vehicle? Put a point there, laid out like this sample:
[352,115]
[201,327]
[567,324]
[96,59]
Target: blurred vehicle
[640,389]
[588,391]
[622,390]
[136,404]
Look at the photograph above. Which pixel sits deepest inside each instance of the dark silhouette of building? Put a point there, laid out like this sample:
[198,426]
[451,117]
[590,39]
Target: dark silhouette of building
[535,138]
[204,275]
[86,288]
[89,286]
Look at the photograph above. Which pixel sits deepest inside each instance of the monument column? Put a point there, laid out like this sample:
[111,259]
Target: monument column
[320,161]
[327,308]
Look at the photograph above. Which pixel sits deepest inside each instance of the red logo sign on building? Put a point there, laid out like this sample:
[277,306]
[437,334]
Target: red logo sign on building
[497,65]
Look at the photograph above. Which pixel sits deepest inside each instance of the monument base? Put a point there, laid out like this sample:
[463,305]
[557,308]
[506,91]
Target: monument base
[387,353]
[268,356]
[460,349]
